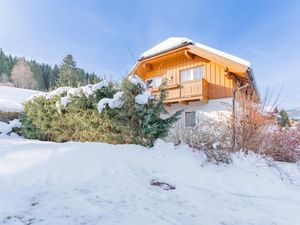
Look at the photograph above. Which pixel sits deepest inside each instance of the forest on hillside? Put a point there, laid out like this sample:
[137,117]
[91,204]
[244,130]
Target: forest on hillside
[19,72]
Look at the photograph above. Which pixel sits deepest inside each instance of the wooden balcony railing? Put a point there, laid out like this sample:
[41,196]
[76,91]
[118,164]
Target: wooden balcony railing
[186,91]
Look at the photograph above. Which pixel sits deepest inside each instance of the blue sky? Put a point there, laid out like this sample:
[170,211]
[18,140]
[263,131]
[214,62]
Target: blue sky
[106,37]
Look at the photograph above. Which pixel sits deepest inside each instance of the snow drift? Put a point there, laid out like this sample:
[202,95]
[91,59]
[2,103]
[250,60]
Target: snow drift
[11,98]
[95,183]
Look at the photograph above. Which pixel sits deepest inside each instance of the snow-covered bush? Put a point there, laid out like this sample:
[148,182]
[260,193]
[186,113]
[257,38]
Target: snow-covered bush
[140,114]
[66,115]
[101,112]
[212,137]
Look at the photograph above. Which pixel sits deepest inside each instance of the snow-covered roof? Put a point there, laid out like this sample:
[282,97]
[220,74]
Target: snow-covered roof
[176,42]
[166,45]
[223,54]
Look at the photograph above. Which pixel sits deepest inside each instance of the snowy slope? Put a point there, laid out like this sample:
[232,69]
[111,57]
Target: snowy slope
[11,98]
[94,183]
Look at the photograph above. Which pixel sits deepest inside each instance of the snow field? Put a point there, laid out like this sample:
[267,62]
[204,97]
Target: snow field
[95,183]
[11,98]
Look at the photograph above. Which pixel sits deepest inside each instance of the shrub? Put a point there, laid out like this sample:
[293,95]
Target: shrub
[282,144]
[78,118]
[141,122]
[211,136]
[251,128]
[8,116]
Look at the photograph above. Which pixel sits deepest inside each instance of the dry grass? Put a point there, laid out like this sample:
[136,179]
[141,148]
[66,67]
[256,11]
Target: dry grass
[8,116]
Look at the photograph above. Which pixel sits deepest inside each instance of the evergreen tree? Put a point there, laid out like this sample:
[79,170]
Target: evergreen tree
[6,65]
[92,78]
[36,69]
[3,63]
[69,74]
[54,78]
[46,77]
[142,123]
[283,119]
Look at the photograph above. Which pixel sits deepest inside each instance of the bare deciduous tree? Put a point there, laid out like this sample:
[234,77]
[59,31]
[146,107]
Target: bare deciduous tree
[22,76]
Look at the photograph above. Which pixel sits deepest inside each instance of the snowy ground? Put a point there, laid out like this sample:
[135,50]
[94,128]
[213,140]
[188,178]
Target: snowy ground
[94,183]
[11,98]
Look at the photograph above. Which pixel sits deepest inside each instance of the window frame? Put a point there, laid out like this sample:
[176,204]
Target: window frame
[185,119]
[192,73]
[154,79]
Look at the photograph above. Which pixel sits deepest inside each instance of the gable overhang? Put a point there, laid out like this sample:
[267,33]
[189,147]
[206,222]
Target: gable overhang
[232,66]
[143,64]
[238,70]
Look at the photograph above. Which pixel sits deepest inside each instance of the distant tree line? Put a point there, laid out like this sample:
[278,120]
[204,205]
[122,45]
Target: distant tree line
[23,73]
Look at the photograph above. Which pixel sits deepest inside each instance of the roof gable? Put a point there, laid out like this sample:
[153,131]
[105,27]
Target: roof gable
[177,42]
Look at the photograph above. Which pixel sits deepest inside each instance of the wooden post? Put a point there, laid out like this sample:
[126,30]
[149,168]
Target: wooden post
[233,119]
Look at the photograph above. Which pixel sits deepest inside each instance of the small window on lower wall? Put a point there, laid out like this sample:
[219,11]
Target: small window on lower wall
[190,119]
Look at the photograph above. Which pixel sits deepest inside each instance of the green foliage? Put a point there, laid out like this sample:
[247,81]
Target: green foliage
[92,78]
[69,74]
[283,119]
[81,121]
[46,76]
[143,123]
[6,64]
[39,117]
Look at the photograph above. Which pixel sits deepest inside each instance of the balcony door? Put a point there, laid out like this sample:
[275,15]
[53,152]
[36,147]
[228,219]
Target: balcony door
[191,82]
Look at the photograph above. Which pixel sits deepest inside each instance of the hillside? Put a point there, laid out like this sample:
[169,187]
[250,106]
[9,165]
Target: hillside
[11,98]
[21,72]
[95,183]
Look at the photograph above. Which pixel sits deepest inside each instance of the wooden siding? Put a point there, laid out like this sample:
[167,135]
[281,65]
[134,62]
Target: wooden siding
[187,91]
[219,86]
[191,88]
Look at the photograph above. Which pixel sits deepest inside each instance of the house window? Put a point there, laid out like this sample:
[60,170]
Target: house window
[154,82]
[190,119]
[192,74]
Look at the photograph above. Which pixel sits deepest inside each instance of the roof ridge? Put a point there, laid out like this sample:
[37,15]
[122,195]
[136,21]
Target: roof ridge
[176,42]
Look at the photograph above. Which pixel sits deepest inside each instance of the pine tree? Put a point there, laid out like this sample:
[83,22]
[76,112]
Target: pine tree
[69,74]
[36,69]
[54,78]
[283,119]
[3,63]
[6,65]
[142,123]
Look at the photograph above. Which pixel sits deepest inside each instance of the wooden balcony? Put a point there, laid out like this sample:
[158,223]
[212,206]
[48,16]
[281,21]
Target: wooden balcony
[186,91]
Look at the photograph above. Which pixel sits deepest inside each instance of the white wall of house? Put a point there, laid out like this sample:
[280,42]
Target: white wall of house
[214,108]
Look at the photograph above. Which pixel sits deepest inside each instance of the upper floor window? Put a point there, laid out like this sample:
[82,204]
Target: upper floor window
[192,74]
[154,82]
